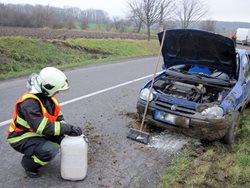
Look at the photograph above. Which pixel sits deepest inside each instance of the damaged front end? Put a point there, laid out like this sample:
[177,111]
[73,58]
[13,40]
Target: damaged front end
[187,105]
[203,87]
[193,124]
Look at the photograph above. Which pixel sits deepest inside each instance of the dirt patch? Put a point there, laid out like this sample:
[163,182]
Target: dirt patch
[135,123]
[94,139]
[199,150]
[81,48]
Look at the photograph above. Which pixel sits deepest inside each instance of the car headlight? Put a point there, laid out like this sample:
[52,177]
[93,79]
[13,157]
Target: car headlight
[145,93]
[214,111]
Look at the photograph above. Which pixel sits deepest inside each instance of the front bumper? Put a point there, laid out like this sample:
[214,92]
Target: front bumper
[198,126]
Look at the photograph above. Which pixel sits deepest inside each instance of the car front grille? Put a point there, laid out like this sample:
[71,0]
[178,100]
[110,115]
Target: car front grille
[163,104]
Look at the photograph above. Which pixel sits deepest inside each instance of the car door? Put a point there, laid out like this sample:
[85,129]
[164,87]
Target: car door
[246,77]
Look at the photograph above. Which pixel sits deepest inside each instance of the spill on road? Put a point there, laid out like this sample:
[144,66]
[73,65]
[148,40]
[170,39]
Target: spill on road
[165,140]
[168,141]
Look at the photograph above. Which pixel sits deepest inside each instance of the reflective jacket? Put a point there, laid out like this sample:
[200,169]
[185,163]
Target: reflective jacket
[34,116]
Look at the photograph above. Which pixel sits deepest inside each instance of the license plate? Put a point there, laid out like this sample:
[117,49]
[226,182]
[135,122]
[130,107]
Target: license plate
[172,119]
[162,116]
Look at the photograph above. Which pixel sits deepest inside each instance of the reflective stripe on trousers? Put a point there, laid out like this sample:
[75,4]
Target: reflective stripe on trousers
[23,136]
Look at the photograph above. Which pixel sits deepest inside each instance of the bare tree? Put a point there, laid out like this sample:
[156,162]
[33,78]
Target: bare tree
[120,24]
[208,25]
[149,11]
[138,25]
[166,12]
[39,16]
[84,24]
[190,11]
[42,16]
[117,22]
[108,25]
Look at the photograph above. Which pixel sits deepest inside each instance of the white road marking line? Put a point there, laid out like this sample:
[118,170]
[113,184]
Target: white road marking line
[5,122]
[90,95]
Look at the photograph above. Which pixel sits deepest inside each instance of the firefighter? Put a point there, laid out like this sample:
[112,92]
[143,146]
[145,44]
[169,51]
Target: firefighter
[38,125]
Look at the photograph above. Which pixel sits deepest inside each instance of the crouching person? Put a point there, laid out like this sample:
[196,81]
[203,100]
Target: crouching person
[38,126]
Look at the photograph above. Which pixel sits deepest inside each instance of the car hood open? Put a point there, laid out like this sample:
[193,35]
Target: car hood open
[195,47]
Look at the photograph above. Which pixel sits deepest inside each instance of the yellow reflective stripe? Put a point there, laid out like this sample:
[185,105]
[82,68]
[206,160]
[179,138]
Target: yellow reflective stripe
[23,136]
[62,121]
[22,122]
[43,109]
[60,114]
[57,128]
[30,95]
[11,129]
[55,101]
[36,160]
[42,126]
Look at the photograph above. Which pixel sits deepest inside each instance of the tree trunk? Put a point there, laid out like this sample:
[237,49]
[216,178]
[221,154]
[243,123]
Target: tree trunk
[161,26]
[148,29]
[139,27]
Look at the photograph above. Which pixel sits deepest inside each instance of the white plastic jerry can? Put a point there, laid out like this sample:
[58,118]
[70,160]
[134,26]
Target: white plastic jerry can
[74,161]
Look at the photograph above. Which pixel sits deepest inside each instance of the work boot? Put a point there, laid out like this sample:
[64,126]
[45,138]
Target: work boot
[31,173]
[34,174]
[31,168]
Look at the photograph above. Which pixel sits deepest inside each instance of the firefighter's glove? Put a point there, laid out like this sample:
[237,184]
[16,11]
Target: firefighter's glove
[75,131]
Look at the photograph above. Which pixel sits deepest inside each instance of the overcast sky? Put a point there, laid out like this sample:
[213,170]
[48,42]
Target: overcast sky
[221,10]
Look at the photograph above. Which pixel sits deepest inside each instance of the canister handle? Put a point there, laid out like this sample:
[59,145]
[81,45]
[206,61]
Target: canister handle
[85,138]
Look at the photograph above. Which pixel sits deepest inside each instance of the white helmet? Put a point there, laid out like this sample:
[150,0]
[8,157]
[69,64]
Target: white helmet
[52,80]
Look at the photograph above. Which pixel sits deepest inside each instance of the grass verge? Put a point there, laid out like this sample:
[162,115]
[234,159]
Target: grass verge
[22,55]
[213,164]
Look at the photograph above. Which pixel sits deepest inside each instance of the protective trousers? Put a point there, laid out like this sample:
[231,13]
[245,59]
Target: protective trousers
[38,151]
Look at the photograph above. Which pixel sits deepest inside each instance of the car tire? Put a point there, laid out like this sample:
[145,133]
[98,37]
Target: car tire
[230,136]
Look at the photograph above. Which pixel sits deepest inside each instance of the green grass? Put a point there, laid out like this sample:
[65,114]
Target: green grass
[218,165]
[118,47]
[21,55]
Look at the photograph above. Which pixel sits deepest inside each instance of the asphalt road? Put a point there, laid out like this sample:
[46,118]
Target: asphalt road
[99,98]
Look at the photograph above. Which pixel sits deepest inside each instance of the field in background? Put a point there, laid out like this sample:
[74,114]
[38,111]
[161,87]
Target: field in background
[47,33]
[23,55]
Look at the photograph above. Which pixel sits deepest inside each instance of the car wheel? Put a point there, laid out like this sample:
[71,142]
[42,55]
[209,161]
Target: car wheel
[229,137]
[247,105]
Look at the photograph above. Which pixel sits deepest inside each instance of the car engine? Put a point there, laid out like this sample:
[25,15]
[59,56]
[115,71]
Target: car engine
[190,91]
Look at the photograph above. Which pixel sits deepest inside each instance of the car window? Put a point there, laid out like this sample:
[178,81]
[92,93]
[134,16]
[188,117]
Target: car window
[246,67]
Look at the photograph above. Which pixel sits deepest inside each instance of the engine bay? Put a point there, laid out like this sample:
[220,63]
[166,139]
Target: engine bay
[196,92]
